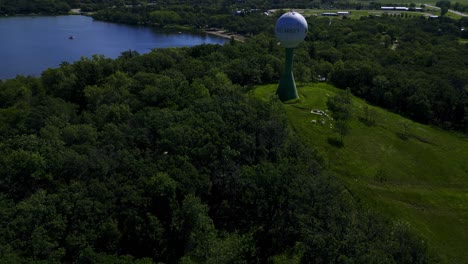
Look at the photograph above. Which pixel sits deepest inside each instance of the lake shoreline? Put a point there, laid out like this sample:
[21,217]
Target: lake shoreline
[224,34]
[35,43]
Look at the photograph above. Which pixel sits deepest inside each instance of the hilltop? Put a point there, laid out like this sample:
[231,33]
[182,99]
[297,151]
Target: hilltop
[408,171]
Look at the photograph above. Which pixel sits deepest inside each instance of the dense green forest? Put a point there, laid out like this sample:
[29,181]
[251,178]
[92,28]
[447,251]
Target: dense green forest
[63,6]
[167,157]
[13,7]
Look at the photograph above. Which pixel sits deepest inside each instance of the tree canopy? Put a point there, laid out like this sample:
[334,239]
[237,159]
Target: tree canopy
[167,157]
[147,158]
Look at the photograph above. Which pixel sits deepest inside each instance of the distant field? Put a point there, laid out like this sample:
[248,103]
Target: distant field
[415,2]
[422,180]
[356,14]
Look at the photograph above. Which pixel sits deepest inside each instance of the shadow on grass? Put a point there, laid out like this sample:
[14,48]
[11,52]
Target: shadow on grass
[402,136]
[335,142]
[367,122]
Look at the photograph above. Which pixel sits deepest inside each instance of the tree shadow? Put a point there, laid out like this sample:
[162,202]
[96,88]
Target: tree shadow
[335,142]
[402,136]
[367,122]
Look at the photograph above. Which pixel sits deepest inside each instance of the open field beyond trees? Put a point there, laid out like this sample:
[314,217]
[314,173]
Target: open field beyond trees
[357,14]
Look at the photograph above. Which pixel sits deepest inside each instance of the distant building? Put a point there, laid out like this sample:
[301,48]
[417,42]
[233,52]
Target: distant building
[343,13]
[329,14]
[239,12]
[399,8]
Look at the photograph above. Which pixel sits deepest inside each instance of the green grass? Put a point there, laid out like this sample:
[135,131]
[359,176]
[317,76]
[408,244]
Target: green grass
[418,3]
[357,14]
[422,179]
[406,2]
[452,15]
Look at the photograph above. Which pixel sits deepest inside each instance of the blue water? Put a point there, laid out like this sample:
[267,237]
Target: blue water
[29,45]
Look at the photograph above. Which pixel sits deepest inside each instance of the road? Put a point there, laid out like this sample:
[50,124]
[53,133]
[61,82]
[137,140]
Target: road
[451,11]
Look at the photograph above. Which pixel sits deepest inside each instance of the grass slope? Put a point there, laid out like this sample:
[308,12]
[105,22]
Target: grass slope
[422,180]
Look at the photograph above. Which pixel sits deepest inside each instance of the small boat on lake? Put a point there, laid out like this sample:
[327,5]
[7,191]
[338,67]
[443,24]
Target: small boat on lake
[71,37]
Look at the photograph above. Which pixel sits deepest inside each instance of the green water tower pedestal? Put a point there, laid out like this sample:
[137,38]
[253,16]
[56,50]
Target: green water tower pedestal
[287,86]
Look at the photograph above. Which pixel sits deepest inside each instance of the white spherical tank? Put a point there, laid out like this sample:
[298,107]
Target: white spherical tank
[291,29]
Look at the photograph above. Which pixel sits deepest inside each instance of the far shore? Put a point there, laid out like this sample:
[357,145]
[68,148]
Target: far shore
[213,31]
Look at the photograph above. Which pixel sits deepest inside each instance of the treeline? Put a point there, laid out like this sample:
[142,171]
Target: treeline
[165,157]
[246,22]
[460,7]
[13,7]
[413,66]
[188,10]
[457,6]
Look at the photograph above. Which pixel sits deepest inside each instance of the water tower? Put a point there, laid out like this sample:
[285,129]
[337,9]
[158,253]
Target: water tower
[290,30]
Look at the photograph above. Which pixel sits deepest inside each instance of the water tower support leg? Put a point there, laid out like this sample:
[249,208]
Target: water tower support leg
[287,87]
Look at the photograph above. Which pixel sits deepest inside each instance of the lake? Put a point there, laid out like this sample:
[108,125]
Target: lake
[29,45]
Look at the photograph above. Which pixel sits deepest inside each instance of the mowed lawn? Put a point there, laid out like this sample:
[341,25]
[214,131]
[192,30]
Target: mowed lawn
[408,171]
[431,2]
[357,14]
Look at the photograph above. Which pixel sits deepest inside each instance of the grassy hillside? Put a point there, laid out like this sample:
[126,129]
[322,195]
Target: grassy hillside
[408,171]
